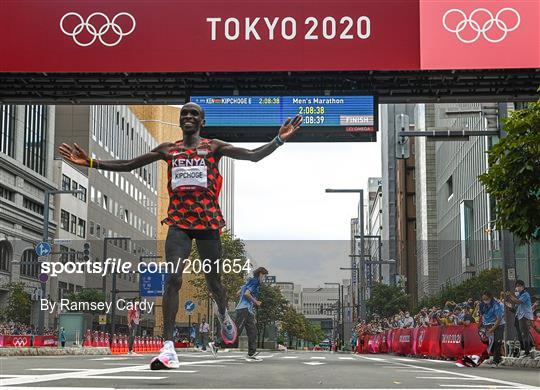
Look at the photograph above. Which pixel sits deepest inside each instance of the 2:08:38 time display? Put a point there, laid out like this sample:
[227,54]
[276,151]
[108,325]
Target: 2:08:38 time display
[313,110]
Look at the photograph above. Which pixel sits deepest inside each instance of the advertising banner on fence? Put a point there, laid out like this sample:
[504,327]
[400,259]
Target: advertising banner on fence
[15,341]
[452,341]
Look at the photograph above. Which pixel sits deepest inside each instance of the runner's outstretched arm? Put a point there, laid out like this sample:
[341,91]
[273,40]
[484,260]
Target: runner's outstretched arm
[76,155]
[285,132]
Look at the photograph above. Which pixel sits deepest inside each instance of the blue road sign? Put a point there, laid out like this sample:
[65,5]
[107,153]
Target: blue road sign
[152,284]
[43,249]
[189,306]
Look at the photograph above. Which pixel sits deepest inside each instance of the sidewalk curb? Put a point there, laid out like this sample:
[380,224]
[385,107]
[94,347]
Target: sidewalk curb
[521,362]
[54,351]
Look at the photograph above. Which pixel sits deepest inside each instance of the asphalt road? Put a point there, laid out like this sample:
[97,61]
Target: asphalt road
[278,370]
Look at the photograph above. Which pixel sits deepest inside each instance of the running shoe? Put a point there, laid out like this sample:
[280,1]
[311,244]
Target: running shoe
[229,332]
[166,359]
[213,348]
[253,358]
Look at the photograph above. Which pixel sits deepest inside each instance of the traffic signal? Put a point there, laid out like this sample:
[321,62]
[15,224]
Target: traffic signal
[86,251]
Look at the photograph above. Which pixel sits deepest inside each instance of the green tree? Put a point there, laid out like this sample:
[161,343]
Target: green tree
[272,309]
[387,300]
[293,324]
[18,304]
[513,178]
[89,295]
[232,248]
[490,279]
[313,333]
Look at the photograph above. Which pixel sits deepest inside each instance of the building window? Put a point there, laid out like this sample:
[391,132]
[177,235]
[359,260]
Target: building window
[91,228]
[33,206]
[74,187]
[64,253]
[6,253]
[73,226]
[82,195]
[98,230]
[29,264]
[466,219]
[35,141]
[81,228]
[7,129]
[64,220]
[66,183]
[450,188]
[105,202]
[7,194]
[72,255]
[92,194]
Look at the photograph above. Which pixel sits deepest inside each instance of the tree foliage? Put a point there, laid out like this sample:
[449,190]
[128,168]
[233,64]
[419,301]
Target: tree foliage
[232,248]
[387,300]
[272,309]
[513,178]
[19,305]
[490,279]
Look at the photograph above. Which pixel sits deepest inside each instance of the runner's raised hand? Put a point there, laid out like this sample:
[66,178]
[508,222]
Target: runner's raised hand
[75,154]
[288,128]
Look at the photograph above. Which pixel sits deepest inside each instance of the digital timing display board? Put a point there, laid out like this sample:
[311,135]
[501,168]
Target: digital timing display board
[258,118]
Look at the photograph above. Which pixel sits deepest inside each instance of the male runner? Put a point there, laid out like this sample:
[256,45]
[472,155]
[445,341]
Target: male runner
[194,183]
[245,313]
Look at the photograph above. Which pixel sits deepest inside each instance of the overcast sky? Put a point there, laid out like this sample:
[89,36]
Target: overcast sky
[282,198]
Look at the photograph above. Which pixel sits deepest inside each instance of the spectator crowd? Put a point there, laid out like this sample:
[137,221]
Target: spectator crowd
[18,329]
[489,312]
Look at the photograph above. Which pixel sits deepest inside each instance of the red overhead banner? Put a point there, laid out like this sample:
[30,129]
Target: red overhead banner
[278,35]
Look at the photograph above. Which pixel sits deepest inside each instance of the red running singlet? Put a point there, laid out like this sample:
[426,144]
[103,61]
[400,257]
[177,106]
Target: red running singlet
[194,183]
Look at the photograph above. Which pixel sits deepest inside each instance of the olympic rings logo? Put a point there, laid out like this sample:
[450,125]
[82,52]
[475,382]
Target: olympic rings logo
[19,341]
[481,29]
[95,32]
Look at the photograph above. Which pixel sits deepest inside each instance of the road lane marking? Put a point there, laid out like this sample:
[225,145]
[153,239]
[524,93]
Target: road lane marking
[55,369]
[314,363]
[449,378]
[479,386]
[318,357]
[373,358]
[492,380]
[346,358]
[124,377]
[289,357]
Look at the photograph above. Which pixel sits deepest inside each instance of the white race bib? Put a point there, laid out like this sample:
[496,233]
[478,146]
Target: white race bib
[189,173]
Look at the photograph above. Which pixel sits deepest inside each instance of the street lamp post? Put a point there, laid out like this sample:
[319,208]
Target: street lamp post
[339,309]
[48,193]
[360,287]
